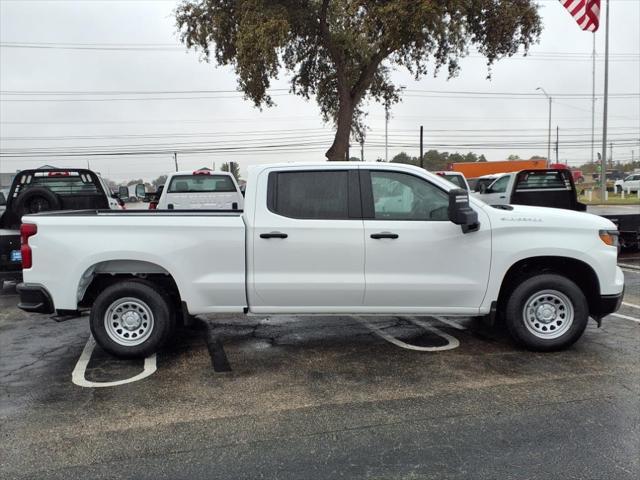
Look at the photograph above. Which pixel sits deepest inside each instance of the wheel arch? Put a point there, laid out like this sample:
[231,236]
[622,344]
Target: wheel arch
[102,274]
[578,271]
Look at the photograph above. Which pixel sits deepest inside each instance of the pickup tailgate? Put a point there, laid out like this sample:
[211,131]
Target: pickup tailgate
[203,252]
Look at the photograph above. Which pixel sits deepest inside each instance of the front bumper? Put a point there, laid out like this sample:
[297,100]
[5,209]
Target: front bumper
[34,298]
[606,305]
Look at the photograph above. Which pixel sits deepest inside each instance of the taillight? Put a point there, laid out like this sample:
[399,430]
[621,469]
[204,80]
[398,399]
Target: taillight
[153,205]
[26,230]
[58,174]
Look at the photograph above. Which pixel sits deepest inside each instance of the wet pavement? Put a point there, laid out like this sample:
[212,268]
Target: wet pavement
[322,397]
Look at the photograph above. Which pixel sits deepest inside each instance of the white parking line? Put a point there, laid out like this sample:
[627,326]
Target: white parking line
[79,379]
[627,304]
[453,342]
[626,317]
[451,323]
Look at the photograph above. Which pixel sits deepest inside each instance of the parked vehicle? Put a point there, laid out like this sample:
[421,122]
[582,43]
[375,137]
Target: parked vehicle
[154,198]
[479,169]
[3,202]
[480,183]
[630,183]
[299,248]
[201,190]
[577,175]
[43,190]
[456,178]
[542,188]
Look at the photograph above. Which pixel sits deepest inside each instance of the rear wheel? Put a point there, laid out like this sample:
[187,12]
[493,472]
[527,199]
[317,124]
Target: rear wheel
[546,312]
[131,319]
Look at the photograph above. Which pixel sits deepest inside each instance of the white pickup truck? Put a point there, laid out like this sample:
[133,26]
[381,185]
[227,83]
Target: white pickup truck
[325,238]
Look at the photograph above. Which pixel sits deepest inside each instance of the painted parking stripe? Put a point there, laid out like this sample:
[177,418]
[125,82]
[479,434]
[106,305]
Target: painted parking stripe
[626,317]
[450,322]
[78,375]
[627,304]
[453,342]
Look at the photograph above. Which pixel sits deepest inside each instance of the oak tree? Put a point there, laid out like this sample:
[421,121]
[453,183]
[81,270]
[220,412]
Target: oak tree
[342,51]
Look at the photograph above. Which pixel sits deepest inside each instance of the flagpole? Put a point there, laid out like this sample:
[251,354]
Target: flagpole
[603,161]
[593,98]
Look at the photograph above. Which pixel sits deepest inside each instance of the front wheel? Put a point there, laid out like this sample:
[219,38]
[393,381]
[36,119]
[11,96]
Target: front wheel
[546,312]
[131,319]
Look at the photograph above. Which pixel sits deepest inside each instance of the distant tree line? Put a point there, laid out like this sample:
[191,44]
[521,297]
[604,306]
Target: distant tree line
[435,160]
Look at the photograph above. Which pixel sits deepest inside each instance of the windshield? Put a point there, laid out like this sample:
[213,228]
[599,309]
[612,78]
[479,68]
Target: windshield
[201,184]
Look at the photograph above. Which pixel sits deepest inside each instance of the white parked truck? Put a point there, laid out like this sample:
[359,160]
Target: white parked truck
[200,190]
[325,238]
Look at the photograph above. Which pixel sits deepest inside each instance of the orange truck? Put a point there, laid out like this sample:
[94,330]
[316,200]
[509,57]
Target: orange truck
[478,169]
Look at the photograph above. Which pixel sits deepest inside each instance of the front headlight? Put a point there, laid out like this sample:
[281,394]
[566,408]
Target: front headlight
[610,237]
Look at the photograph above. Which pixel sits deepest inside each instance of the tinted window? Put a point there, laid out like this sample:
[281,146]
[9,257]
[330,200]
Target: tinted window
[201,184]
[313,195]
[65,185]
[400,196]
[543,180]
[456,180]
[500,185]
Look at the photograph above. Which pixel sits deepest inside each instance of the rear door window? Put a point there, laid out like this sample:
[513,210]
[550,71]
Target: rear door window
[201,184]
[500,185]
[543,180]
[319,195]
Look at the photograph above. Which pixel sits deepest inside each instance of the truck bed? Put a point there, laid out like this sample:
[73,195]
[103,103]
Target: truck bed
[204,251]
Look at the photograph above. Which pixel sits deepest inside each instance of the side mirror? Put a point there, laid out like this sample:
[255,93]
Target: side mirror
[140,191]
[460,212]
[123,192]
[483,188]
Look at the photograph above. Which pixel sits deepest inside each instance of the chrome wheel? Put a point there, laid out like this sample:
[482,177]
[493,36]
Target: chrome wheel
[548,314]
[128,321]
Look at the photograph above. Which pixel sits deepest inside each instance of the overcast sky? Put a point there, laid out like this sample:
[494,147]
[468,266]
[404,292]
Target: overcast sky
[132,46]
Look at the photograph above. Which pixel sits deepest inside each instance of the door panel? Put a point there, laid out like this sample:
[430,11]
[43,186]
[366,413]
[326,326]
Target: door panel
[319,265]
[423,262]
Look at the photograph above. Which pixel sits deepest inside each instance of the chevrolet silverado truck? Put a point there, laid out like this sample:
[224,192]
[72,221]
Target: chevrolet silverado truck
[325,238]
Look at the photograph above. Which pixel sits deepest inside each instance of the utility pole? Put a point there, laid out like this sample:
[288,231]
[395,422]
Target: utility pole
[603,174]
[557,144]
[362,150]
[593,97]
[549,129]
[421,146]
[175,159]
[346,154]
[386,132]
[611,155]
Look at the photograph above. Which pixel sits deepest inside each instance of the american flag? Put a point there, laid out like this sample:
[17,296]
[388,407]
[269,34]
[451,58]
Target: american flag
[585,12]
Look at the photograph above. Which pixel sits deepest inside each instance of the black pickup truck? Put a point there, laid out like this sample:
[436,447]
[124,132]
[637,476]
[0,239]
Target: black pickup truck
[43,190]
[555,188]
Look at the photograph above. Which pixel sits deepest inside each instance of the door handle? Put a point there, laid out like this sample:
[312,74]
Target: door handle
[380,235]
[273,235]
[503,196]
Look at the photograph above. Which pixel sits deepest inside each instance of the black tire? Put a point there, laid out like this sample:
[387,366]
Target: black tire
[532,290]
[35,200]
[146,299]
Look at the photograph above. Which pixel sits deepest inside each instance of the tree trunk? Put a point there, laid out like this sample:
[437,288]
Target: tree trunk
[338,150]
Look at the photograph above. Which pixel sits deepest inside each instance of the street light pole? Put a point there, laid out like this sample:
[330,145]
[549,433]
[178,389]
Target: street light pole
[549,128]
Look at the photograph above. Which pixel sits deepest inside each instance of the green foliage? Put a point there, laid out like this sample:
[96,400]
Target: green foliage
[434,160]
[159,181]
[232,167]
[513,157]
[342,51]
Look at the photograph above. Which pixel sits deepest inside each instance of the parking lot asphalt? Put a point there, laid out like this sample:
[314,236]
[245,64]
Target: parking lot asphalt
[321,397]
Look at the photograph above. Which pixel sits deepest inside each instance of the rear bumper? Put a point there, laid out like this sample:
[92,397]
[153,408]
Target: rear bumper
[10,276]
[34,298]
[606,305]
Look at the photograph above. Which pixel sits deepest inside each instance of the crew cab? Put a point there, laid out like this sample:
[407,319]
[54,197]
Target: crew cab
[544,188]
[41,190]
[325,238]
[200,190]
